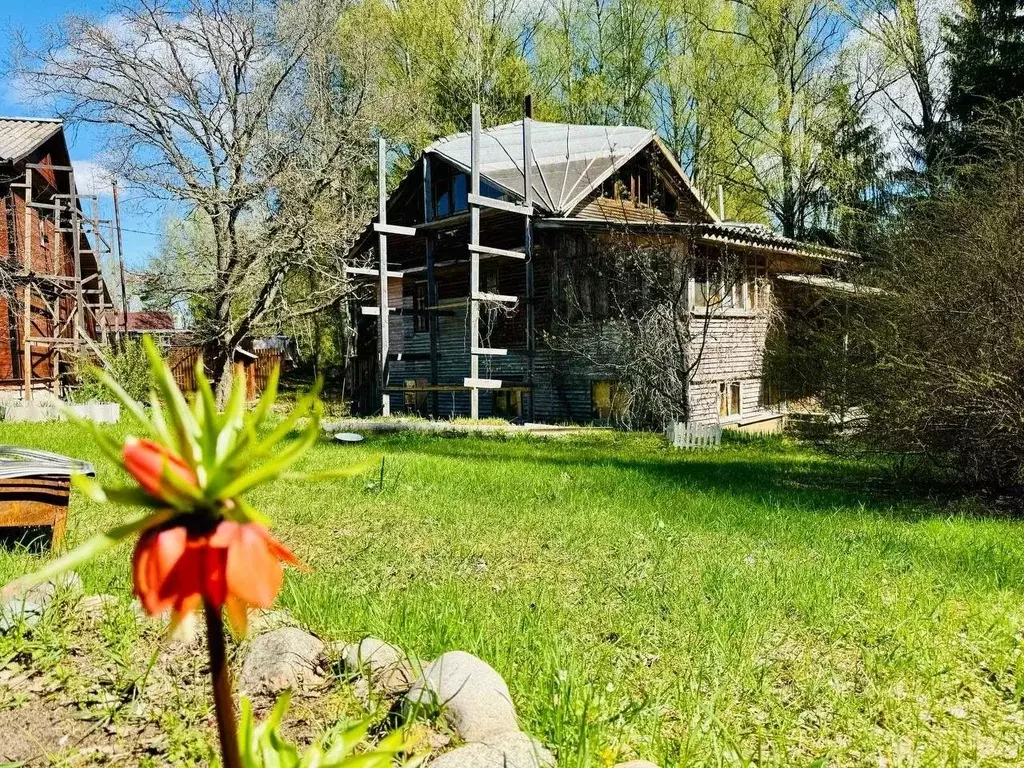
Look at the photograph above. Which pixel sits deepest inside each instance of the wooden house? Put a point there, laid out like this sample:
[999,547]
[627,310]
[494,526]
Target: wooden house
[53,299]
[490,233]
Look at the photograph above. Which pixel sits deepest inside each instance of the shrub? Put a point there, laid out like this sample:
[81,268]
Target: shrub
[128,366]
[948,338]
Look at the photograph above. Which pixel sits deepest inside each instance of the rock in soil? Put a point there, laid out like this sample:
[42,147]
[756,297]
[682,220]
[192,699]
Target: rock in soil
[473,697]
[389,671]
[286,658]
[28,606]
[96,607]
[506,750]
[261,621]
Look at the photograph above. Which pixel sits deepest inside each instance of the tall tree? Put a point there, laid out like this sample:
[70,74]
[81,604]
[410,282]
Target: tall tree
[423,64]
[207,104]
[898,67]
[784,106]
[986,65]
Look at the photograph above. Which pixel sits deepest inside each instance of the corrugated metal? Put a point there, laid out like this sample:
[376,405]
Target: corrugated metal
[568,160]
[20,136]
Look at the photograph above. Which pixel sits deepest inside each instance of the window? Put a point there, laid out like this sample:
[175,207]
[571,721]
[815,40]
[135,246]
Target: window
[507,404]
[449,190]
[420,319]
[707,286]
[416,396]
[442,197]
[742,286]
[608,400]
[730,399]
[460,192]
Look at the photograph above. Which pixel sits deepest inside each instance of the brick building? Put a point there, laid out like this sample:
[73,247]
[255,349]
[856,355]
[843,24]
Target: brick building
[52,293]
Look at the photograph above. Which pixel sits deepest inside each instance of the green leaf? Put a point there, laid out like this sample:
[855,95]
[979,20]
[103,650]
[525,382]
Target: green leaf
[88,550]
[130,496]
[272,468]
[266,401]
[133,406]
[181,419]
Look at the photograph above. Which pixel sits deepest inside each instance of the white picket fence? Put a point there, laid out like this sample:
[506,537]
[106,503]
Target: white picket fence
[694,436]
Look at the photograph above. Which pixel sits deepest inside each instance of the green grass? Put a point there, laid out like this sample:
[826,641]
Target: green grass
[764,604]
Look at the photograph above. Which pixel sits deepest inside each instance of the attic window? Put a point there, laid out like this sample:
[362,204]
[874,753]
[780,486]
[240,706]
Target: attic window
[449,192]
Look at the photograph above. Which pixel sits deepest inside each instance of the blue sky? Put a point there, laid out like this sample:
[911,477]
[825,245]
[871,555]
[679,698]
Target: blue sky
[141,220]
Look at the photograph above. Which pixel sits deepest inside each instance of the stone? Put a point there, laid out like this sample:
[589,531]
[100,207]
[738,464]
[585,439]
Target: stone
[28,607]
[389,671]
[473,697]
[286,658]
[96,607]
[507,750]
[261,621]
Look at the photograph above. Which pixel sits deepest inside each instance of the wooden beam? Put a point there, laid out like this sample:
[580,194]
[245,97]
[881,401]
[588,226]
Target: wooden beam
[27,319]
[475,198]
[497,298]
[488,251]
[384,228]
[369,272]
[473,383]
[494,351]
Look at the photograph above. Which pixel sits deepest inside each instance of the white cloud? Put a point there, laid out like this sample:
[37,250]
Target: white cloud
[92,178]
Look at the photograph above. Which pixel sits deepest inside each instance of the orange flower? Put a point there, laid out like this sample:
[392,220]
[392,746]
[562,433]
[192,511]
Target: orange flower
[233,566]
[147,461]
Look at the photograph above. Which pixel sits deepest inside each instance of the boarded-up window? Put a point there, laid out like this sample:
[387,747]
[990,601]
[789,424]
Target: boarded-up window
[608,400]
[730,399]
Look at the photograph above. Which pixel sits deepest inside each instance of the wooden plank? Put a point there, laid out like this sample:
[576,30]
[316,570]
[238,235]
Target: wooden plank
[500,205]
[494,351]
[374,311]
[488,251]
[394,229]
[481,384]
[370,272]
[497,298]
[474,263]
[384,329]
[410,357]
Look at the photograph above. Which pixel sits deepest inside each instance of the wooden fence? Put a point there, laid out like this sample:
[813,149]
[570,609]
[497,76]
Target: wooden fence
[182,361]
[694,436]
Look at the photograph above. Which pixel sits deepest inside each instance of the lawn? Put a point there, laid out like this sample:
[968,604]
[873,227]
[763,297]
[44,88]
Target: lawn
[763,604]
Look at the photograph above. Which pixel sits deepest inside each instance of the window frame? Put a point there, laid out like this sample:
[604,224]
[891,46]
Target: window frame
[727,391]
[420,320]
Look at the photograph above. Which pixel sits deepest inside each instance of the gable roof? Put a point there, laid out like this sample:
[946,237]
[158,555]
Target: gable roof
[568,161]
[20,136]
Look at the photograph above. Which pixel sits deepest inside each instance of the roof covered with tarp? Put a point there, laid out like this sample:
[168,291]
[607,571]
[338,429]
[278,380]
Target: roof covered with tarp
[567,161]
[20,136]
[832,284]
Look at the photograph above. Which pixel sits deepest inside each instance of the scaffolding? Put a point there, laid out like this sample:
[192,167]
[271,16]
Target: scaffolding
[56,308]
[383,310]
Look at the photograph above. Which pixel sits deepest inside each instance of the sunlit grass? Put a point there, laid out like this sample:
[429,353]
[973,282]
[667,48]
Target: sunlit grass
[760,604]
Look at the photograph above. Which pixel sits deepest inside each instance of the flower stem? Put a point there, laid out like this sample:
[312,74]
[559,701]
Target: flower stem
[223,703]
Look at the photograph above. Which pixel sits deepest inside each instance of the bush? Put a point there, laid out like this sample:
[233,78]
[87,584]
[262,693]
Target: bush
[948,338]
[128,366]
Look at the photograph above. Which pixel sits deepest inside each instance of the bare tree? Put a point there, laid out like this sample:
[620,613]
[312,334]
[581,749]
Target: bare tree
[899,67]
[222,108]
[627,308]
